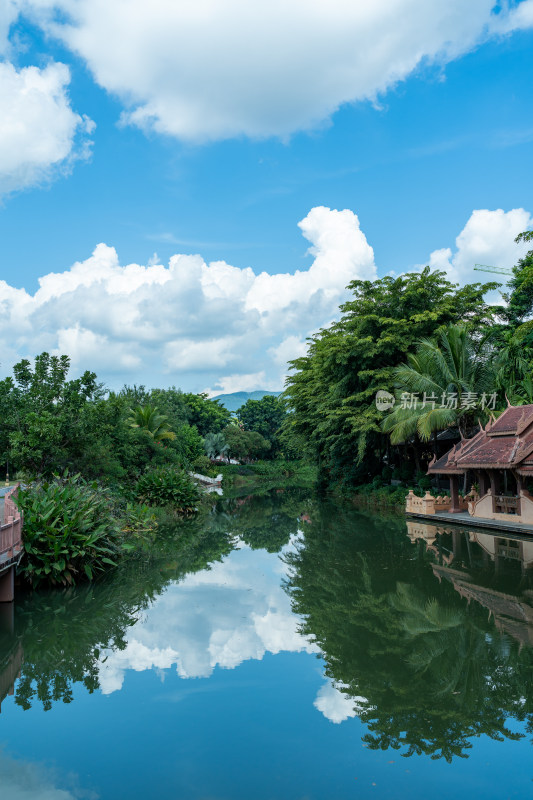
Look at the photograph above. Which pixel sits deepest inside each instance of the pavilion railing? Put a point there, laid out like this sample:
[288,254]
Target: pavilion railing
[10,531]
[501,504]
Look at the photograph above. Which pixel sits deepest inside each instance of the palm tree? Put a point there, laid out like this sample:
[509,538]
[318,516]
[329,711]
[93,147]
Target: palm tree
[447,378]
[148,419]
[215,445]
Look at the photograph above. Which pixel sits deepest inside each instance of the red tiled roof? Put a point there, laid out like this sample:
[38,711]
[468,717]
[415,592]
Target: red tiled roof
[512,418]
[506,444]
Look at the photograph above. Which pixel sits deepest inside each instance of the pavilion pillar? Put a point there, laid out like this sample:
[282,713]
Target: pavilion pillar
[483,481]
[495,482]
[454,492]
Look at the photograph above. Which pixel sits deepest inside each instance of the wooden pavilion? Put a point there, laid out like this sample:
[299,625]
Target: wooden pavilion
[499,459]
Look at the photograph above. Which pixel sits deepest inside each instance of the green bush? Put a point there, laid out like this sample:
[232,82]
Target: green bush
[72,529]
[168,486]
[425,483]
[203,465]
[386,473]
[406,471]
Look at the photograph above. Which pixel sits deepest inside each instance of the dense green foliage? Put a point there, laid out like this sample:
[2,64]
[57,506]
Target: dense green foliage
[51,423]
[215,445]
[265,417]
[148,419]
[168,486]
[208,416]
[454,363]
[74,529]
[136,443]
[245,445]
[414,336]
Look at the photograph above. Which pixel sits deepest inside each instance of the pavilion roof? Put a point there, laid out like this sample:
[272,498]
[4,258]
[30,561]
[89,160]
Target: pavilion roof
[505,443]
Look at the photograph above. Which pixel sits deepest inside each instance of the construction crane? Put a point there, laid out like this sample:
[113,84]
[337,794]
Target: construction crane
[488,268]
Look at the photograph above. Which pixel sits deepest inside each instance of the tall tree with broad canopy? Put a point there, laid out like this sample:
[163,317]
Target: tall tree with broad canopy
[331,391]
[264,416]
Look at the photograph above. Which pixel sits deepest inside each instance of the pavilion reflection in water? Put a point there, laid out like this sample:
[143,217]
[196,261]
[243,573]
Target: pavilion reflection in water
[11,652]
[495,571]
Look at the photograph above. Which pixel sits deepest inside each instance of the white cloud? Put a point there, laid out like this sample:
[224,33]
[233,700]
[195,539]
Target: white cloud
[335,705]
[199,324]
[9,10]
[39,131]
[189,321]
[235,611]
[22,780]
[213,69]
[290,348]
[487,238]
[519,18]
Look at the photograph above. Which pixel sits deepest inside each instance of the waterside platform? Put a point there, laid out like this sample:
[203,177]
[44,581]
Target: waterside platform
[463,518]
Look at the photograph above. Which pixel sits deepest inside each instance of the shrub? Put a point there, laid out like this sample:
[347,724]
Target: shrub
[406,471]
[386,473]
[204,466]
[168,486]
[71,529]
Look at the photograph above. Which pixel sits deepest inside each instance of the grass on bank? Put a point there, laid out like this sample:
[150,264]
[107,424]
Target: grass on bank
[75,529]
[268,474]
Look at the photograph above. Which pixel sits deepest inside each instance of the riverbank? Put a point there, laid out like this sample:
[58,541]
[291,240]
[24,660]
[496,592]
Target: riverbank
[268,474]
[388,498]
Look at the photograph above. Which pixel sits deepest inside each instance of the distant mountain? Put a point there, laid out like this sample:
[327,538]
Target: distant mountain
[235,400]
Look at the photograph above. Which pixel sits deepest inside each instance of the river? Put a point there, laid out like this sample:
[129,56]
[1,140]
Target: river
[278,648]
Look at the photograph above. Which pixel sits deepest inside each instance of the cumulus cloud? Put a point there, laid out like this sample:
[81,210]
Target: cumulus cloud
[487,238]
[189,321]
[233,612]
[213,69]
[335,704]
[200,324]
[39,131]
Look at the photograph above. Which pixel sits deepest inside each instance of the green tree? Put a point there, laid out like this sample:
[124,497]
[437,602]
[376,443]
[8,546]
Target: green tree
[43,422]
[245,445]
[331,390]
[453,364]
[520,297]
[264,416]
[215,445]
[209,416]
[148,419]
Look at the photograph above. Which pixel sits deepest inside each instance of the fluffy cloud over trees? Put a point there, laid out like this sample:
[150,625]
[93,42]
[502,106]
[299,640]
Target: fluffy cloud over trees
[213,325]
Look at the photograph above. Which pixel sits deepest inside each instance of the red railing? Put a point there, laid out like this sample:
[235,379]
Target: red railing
[10,530]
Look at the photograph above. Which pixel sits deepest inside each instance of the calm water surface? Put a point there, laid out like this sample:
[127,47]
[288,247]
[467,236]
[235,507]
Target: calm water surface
[277,649]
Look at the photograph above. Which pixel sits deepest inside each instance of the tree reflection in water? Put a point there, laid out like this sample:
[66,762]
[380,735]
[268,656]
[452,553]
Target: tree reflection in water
[433,669]
[401,620]
[62,634]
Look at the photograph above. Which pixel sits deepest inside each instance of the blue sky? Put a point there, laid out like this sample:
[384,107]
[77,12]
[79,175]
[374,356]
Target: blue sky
[187,145]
